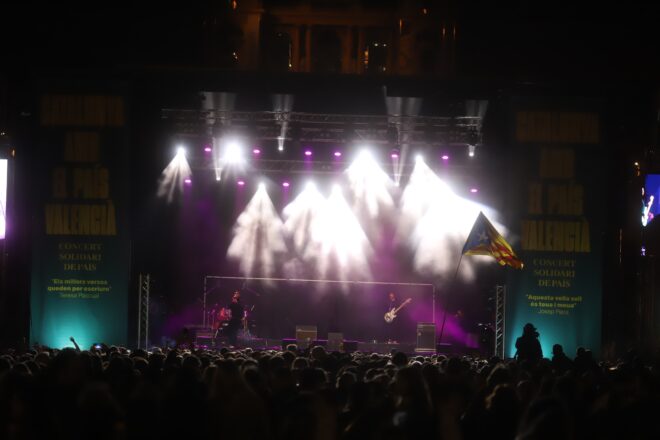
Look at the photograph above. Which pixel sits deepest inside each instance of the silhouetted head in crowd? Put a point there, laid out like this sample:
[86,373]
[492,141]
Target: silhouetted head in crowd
[400,359]
[530,330]
[557,350]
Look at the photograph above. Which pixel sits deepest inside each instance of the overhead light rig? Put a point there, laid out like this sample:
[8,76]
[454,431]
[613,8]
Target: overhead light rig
[338,129]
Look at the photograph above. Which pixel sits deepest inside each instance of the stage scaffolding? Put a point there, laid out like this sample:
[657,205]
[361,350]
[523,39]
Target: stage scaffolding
[143,311]
[336,129]
[304,280]
[500,319]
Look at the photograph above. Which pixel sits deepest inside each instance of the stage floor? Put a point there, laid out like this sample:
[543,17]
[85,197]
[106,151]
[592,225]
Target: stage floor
[347,346]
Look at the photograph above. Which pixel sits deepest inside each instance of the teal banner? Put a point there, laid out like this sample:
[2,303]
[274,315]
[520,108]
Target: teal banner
[557,193]
[81,242]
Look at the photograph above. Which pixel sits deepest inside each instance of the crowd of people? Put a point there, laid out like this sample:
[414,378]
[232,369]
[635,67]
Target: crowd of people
[114,393]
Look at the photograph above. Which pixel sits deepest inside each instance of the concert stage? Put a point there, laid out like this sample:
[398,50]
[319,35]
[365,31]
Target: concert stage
[426,346]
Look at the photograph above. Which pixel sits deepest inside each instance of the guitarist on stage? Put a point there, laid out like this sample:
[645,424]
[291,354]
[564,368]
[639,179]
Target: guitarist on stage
[391,328]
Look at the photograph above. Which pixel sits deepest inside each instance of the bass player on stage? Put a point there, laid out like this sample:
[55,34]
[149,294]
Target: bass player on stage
[392,324]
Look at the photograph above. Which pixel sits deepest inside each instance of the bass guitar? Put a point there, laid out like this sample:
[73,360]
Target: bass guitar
[391,315]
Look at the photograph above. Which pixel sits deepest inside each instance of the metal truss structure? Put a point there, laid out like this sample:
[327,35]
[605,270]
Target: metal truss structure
[328,128]
[143,311]
[500,319]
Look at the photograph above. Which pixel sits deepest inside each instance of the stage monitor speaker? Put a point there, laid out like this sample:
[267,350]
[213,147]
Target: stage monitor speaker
[305,335]
[335,342]
[204,338]
[425,337]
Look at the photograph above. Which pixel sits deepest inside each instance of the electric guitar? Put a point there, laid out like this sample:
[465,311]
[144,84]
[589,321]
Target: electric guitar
[391,315]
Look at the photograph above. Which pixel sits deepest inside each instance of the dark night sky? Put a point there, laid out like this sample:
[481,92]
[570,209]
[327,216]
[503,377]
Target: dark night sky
[517,40]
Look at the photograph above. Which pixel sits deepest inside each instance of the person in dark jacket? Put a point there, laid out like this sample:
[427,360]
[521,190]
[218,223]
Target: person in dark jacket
[528,346]
[560,362]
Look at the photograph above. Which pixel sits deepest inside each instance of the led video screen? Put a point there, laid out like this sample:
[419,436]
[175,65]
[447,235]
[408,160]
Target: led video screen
[649,203]
[3,198]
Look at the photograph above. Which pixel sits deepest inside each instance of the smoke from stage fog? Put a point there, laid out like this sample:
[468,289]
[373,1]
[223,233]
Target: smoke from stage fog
[174,175]
[258,242]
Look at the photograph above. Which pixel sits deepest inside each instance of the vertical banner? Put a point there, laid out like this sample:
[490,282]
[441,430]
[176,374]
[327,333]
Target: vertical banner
[557,195]
[81,242]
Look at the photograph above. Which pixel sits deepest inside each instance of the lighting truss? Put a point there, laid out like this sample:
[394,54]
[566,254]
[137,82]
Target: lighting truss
[331,128]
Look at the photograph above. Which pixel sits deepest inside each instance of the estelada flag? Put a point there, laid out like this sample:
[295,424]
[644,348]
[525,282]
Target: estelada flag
[485,240]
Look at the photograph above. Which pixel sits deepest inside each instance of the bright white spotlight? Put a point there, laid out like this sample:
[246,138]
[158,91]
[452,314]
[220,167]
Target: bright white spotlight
[370,186]
[258,237]
[419,158]
[341,236]
[436,221]
[262,185]
[471,150]
[326,235]
[174,176]
[228,156]
[365,154]
[233,154]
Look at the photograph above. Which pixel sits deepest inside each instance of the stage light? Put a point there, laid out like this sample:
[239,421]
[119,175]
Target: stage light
[187,181]
[337,153]
[308,153]
[256,151]
[370,185]
[258,237]
[394,155]
[445,157]
[636,164]
[208,149]
[436,222]
[471,150]
[229,156]
[474,190]
[280,143]
[218,178]
[174,175]
[419,159]
[326,234]
[285,184]
[341,234]
[233,154]
[241,183]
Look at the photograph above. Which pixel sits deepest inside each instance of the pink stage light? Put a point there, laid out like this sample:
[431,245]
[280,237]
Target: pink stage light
[187,181]
[256,151]
[445,157]
[474,190]
[208,149]
[285,184]
[337,153]
[308,153]
[241,182]
[394,156]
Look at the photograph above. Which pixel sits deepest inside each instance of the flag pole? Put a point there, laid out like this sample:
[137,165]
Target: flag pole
[444,309]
